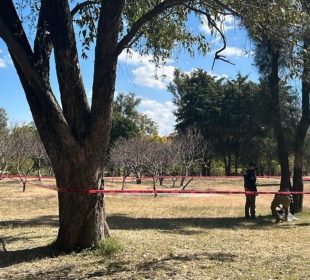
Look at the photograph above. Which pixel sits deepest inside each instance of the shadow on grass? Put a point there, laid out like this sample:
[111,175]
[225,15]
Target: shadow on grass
[303,224]
[47,220]
[56,274]
[170,264]
[290,224]
[10,239]
[165,263]
[180,224]
[63,272]
[26,255]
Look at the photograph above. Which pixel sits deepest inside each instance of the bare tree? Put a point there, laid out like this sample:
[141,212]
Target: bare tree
[129,155]
[191,148]
[137,147]
[24,139]
[173,161]
[119,157]
[7,152]
[154,160]
[39,154]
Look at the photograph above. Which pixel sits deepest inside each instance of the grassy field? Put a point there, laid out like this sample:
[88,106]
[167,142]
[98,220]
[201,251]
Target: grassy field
[161,238]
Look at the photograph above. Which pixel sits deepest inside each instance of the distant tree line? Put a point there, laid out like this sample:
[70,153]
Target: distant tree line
[234,116]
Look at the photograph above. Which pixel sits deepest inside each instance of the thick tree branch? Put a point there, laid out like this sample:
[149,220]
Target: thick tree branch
[43,43]
[158,9]
[73,96]
[43,105]
[82,5]
[105,69]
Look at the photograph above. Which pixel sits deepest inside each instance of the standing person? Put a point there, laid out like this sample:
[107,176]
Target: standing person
[250,185]
[279,200]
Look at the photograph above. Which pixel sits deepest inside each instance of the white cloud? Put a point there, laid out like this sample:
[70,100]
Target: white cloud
[2,63]
[233,51]
[212,74]
[225,23]
[5,59]
[218,76]
[146,73]
[161,113]
[149,76]
[134,58]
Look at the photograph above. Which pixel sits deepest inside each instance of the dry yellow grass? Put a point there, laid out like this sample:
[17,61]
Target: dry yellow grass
[162,238]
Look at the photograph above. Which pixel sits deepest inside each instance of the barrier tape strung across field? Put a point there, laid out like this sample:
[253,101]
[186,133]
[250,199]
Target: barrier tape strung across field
[28,177]
[120,179]
[159,191]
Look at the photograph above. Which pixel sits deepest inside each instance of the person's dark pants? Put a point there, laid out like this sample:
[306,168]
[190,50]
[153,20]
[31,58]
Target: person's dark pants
[250,205]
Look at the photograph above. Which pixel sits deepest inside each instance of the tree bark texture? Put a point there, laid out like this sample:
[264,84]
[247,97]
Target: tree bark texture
[81,216]
[274,88]
[301,130]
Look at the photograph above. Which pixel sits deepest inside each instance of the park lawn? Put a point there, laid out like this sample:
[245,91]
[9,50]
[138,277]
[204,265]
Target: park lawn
[161,238]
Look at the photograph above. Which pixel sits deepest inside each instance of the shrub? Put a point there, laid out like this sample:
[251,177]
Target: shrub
[107,247]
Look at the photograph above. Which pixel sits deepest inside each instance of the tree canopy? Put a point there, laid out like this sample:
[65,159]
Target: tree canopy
[233,115]
[127,121]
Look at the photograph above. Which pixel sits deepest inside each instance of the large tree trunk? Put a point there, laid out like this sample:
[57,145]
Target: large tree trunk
[81,220]
[81,215]
[297,181]
[275,103]
[301,131]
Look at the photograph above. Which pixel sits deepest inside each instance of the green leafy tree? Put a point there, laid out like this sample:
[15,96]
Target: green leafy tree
[304,120]
[225,112]
[281,34]
[127,121]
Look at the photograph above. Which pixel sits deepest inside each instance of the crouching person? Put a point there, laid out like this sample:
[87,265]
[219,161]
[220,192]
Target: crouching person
[282,201]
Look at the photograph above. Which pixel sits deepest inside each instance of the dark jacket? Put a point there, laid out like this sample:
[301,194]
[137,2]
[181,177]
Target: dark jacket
[250,180]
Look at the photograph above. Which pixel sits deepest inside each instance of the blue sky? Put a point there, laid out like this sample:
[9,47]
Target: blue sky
[136,74]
